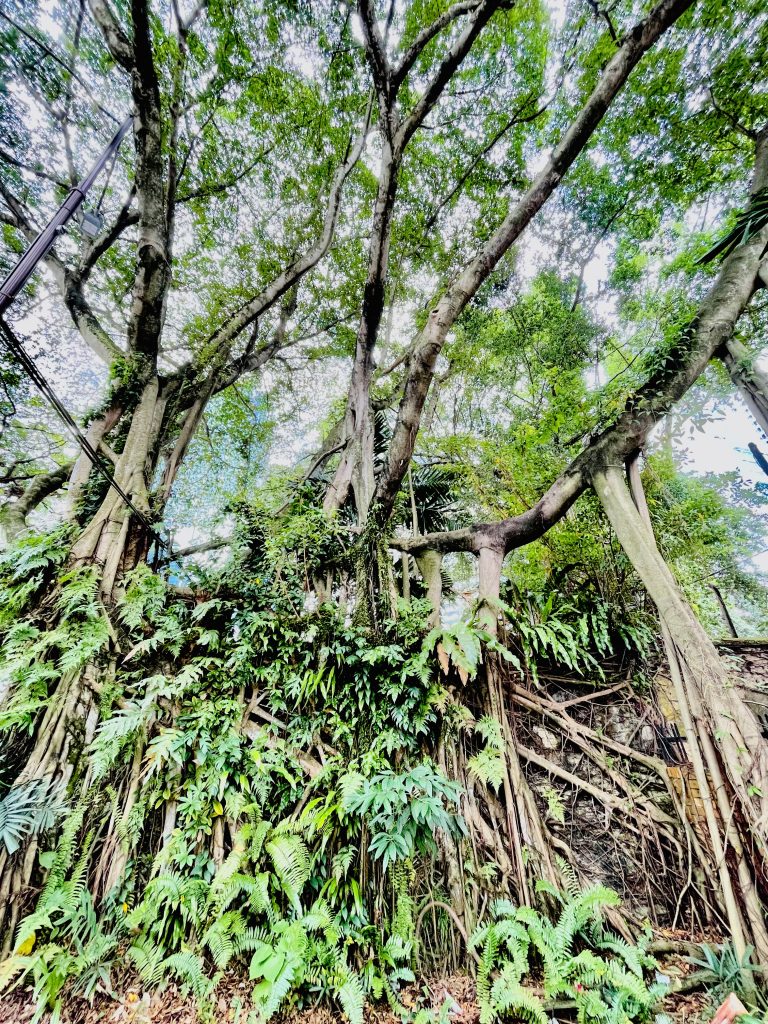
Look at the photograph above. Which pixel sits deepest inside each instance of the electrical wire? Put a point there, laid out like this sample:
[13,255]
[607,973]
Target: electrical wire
[15,347]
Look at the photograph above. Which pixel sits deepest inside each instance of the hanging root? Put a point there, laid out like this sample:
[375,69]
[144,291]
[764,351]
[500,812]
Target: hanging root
[67,728]
[736,812]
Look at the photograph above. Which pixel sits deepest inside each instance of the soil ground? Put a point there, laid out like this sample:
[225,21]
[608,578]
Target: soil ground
[135,1006]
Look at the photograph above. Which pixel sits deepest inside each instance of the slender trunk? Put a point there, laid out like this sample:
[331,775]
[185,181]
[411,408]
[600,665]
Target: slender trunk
[429,564]
[355,469]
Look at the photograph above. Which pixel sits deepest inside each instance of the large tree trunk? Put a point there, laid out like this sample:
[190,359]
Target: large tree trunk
[715,716]
[105,538]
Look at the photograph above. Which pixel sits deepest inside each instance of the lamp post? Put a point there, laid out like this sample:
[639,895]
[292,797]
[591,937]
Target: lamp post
[37,251]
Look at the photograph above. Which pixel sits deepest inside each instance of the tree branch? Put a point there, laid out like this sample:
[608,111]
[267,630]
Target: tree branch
[377,58]
[13,513]
[197,549]
[125,219]
[288,277]
[446,70]
[698,343]
[459,294]
[37,171]
[117,41]
[68,283]
[426,36]
[254,358]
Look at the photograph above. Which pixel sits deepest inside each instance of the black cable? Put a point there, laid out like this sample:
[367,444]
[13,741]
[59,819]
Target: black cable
[15,347]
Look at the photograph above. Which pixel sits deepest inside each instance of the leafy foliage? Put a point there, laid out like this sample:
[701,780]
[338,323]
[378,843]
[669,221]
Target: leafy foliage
[579,957]
[28,809]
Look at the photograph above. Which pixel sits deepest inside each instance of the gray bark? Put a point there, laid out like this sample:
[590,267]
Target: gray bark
[750,380]
[430,343]
[14,512]
[743,749]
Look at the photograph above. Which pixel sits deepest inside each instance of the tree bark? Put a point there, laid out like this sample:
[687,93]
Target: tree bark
[104,539]
[743,750]
[13,514]
[429,564]
[750,380]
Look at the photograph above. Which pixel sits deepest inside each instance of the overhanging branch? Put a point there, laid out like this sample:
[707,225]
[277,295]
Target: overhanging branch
[455,299]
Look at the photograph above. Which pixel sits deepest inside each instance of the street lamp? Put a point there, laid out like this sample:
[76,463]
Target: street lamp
[91,223]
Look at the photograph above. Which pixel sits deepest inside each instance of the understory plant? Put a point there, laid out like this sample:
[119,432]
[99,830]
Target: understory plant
[570,954]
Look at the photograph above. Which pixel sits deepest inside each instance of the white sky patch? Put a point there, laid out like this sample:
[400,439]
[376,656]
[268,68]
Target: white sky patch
[557,13]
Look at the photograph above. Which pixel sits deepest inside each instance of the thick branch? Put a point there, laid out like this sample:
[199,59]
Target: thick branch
[197,549]
[426,36]
[699,342]
[13,514]
[377,57]
[749,378]
[459,294]
[446,70]
[117,41]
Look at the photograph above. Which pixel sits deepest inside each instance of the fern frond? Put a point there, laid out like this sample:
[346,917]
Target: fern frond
[290,859]
[188,966]
[510,998]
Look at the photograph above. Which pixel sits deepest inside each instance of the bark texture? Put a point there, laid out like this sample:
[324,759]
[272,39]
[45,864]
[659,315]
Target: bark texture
[718,715]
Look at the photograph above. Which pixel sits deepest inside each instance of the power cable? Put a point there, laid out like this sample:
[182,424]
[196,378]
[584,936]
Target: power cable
[42,245]
[24,269]
[15,347]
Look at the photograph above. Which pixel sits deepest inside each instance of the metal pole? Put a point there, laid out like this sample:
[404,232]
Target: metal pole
[24,269]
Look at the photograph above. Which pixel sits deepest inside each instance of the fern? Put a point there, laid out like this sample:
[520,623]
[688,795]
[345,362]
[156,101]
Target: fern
[488,764]
[508,997]
[219,937]
[143,597]
[485,968]
[606,990]
[27,810]
[350,993]
[188,966]
[291,864]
